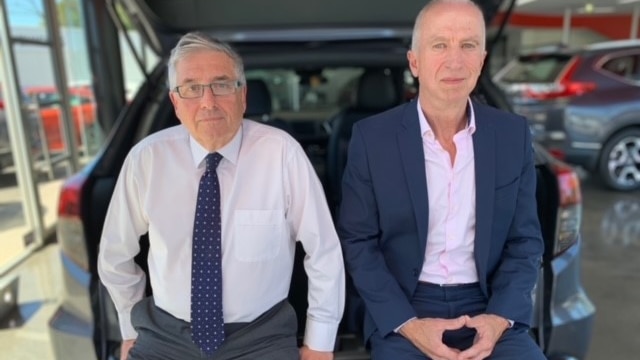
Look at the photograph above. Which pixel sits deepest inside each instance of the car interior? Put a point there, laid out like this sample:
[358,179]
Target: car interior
[318,107]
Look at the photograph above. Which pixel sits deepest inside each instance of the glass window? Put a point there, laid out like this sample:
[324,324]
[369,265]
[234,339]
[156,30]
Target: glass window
[623,66]
[310,94]
[535,69]
[49,156]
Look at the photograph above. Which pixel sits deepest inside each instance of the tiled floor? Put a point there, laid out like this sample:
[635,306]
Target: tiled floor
[39,289]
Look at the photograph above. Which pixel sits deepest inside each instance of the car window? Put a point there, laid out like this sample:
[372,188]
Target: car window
[49,99]
[25,99]
[535,69]
[310,92]
[623,66]
[317,94]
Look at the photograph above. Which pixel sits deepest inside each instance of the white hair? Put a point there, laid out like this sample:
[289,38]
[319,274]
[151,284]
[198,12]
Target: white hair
[198,41]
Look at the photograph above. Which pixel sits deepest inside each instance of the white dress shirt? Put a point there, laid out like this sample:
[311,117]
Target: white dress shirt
[451,186]
[271,198]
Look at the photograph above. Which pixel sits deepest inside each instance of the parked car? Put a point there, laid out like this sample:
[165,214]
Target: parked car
[583,105]
[83,112]
[312,71]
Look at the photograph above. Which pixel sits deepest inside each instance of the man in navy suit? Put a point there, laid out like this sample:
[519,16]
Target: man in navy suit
[438,218]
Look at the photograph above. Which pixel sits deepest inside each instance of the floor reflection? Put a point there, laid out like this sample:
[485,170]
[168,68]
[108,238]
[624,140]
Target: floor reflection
[620,225]
[611,270]
[19,316]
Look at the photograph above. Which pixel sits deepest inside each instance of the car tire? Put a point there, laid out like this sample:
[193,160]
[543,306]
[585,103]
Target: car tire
[619,165]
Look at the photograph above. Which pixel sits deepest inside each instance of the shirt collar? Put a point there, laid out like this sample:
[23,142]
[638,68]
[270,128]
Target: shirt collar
[230,151]
[426,128]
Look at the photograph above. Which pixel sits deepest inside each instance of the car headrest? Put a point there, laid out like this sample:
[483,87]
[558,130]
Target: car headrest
[376,91]
[258,99]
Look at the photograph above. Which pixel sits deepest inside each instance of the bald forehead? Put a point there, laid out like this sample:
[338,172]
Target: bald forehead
[442,17]
[447,5]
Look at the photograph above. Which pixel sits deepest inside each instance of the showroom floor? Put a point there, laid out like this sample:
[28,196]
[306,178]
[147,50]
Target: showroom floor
[24,336]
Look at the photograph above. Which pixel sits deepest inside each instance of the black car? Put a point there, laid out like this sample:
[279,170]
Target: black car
[312,75]
[583,105]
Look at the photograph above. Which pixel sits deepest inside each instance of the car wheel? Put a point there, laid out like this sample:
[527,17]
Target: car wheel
[619,166]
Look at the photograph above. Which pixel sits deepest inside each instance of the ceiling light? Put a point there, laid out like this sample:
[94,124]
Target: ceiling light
[590,9]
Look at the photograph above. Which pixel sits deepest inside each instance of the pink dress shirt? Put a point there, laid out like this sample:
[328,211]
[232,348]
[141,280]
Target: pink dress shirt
[452,207]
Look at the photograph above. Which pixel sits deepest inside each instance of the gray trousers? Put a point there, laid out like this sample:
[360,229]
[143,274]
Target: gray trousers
[161,336]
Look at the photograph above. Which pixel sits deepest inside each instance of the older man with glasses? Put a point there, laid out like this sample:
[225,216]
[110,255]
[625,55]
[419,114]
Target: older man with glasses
[224,201]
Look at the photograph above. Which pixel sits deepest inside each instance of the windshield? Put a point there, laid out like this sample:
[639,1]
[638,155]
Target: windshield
[534,69]
[315,94]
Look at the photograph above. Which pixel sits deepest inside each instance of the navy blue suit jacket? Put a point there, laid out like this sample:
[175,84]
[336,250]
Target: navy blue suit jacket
[384,214]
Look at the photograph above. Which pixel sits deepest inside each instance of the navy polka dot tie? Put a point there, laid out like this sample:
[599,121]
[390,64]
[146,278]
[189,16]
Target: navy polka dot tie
[207,322]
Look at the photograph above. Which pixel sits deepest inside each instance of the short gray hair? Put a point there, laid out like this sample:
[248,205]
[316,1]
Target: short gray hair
[415,36]
[198,41]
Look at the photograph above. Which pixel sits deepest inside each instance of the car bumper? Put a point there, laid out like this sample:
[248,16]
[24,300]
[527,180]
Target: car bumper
[572,312]
[570,143]
[577,153]
[71,326]
[71,337]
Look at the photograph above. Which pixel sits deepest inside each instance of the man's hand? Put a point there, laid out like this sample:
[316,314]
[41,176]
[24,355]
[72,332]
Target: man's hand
[489,329]
[426,335]
[125,347]
[308,354]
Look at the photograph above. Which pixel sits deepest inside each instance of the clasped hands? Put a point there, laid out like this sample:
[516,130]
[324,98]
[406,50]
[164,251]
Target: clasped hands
[426,335]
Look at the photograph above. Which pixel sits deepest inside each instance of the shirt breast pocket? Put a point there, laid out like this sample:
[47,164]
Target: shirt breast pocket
[258,234]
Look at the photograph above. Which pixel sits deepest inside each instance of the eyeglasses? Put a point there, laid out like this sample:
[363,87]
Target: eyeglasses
[219,88]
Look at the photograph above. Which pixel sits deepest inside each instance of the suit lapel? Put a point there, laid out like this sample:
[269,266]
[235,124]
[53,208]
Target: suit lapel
[412,154]
[485,167]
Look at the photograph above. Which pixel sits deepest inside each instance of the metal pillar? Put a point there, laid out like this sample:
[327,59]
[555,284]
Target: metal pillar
[635,18]
[106,62]
[60,76]
[566,26]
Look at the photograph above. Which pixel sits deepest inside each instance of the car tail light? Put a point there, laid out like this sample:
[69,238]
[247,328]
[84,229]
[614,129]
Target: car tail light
[70,232]
[557,153]
[569,209]
[564,88]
